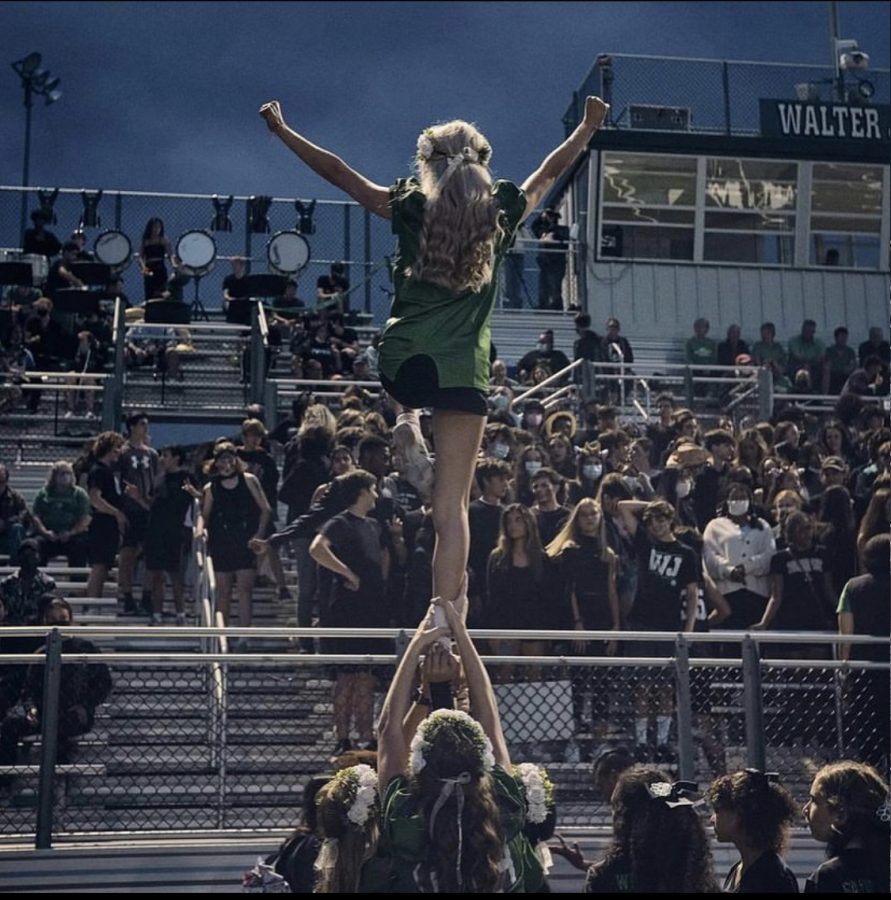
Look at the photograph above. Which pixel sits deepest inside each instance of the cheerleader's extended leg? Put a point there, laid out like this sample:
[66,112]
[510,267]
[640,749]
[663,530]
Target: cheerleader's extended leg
[457,436]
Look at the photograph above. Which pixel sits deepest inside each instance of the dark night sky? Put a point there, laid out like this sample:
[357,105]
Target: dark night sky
[163,96]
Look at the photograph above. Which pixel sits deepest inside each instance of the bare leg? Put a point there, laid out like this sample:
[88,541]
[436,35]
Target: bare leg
[98,574]
[457,436]
[343,704]
[179,597]
[126,569]
[155,581]
[363,706]
[244,588]
[278,573]
[224,593]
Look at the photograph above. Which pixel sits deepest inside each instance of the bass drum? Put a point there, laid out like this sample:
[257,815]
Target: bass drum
[197,252]
[287,253]
[114,249]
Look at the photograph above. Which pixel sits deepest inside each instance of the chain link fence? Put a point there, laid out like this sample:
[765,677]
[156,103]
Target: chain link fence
[185,741]
[720,95]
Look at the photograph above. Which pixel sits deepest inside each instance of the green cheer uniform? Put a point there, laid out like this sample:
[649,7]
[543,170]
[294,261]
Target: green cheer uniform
[437,339]
[403,840]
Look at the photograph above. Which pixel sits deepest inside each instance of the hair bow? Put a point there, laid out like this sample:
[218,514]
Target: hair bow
[673,795]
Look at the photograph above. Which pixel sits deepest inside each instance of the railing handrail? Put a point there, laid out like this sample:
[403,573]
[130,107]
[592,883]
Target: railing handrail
[186,632]
[557,376]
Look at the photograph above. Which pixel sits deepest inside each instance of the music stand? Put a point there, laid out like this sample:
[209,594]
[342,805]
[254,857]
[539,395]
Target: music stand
[167,312]
[197,306]
[76,301]
[239,311]
[16,273]
[264,285]
[90,272]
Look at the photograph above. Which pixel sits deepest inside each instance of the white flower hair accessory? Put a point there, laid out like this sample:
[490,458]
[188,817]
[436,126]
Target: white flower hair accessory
[360,793]
[883,813]
[448,718]
[539,791]
[425,145]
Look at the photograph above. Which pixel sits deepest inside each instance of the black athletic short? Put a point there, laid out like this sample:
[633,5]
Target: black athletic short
[417,385]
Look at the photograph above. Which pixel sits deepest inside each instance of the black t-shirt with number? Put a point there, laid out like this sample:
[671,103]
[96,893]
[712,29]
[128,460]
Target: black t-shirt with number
[806,603]
[102,478]
[664,570]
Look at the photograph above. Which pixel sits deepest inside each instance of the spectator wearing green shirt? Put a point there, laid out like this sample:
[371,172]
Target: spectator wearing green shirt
[807,352]
[701,350]
[61,515]
[841,360]
[768,349]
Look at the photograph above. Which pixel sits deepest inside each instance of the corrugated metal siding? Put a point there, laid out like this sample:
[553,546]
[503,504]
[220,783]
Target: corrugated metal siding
[658,299]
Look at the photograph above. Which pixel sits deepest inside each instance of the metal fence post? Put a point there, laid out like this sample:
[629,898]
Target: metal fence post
[765,394]
[686,750]
[49,739]
[258,358]
[688,386]
[368,260]
[753,703]
[725,84]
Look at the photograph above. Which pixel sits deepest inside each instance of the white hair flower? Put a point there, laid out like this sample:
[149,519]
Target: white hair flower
[362,791]
[425,146]
[539,790]
[448,718]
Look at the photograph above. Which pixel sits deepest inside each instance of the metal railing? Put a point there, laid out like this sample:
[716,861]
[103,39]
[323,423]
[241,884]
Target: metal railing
[214,741]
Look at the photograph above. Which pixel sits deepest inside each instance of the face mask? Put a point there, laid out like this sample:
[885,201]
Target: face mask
[532,466]
[542,348]
[683,488]
[534,419]
[737,507]
[500,402]
[65,481]
[500,451]
[592,471]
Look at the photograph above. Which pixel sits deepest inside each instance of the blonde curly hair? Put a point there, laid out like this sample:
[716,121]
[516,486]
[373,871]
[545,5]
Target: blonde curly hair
[461,221]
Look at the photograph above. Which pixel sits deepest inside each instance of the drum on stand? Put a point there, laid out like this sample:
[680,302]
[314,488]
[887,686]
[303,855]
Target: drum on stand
[196,252]
[114,249]
[287,252]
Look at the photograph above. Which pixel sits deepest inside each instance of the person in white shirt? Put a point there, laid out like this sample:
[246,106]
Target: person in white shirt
[737,549]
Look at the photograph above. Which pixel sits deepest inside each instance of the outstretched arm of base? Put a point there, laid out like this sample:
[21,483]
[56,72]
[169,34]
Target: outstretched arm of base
[332,168]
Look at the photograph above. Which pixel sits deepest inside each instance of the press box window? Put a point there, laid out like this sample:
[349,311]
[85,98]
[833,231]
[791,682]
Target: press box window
[647,206]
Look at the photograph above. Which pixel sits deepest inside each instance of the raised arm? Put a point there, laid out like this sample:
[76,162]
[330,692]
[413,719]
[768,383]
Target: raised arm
[331,167]
[483,706]
[559,160]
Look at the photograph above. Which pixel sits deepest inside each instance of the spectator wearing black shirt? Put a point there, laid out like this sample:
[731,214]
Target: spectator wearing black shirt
[60,274]
[662,432]
[13,517]
[588,344]
[82,687]
[351,546]
[553,242]
[320,349]
[235,284]
[867,381]
[47,340]
[848,811]
[167,534]
[344,340]
[732,347]
[139,472]
[331,289]
[545,353]
[588,578]
[550,516]
[876,345]
[711,481]
[616,347]
[484,518]
[516,582]
[39,239]
[863,608]
[109,521]
[669,574]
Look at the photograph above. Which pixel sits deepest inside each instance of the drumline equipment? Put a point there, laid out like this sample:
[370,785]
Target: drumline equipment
[114,249]
[16,266]
[287,252]
[197,251]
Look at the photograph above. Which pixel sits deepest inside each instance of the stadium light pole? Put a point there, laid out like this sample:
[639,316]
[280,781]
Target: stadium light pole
[36,82]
